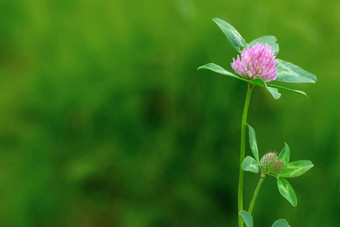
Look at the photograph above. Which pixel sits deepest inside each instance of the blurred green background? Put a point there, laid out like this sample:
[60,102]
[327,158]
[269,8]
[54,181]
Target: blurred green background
[105,121]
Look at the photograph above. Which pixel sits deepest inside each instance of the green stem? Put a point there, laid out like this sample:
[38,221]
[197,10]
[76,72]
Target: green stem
[252,203]
[242,152]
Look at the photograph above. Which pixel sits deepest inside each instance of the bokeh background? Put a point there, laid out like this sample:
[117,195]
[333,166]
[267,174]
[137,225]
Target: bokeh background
[104,120]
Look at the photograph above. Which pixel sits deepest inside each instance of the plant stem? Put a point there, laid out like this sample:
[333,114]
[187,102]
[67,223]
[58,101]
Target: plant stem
[252,203]
[242,152]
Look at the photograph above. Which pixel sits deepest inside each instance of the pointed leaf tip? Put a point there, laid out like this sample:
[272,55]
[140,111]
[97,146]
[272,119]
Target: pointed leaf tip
[253,143]
[284,155]
[290,73]
[295,169]
[231,33]
[288,89]
[218,69]
[287,191]
[274,92]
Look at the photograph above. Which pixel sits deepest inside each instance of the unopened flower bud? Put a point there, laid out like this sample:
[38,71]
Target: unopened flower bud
[270,164]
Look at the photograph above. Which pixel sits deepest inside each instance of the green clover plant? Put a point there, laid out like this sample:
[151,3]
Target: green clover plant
[286,71]
[258,65]
[274,165]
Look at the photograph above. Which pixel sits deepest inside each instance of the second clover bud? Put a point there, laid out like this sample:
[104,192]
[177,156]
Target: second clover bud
[270,164]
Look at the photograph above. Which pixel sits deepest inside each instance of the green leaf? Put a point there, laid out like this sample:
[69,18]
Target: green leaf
[247,218]
[253,143]
[250,164]
[258,81]
[297,168]
[270,40]
[288,89]
[281,223]
[218,69]
[231,33]
[284,155]
[290,73]
[286,190]
[273,91]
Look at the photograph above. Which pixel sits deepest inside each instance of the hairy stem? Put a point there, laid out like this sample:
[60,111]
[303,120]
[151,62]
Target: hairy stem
[252,203]
[242,152]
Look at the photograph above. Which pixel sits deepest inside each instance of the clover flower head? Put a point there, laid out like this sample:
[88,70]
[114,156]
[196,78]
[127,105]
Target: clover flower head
[270,164]
[257,61]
